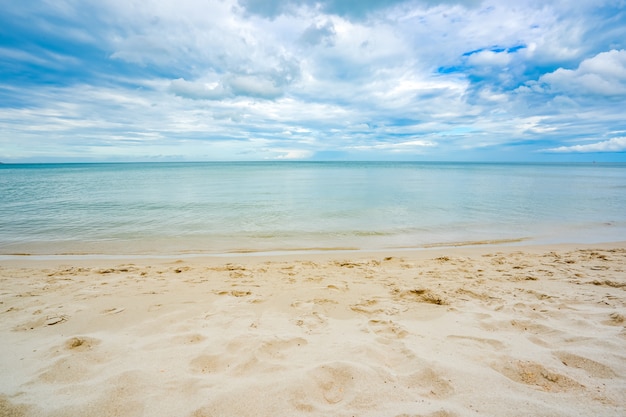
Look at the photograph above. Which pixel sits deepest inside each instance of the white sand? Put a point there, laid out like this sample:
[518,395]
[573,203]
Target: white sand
[490,331]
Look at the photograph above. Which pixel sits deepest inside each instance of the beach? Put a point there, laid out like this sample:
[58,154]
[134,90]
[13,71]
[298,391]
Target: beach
[451,331]
[248,208]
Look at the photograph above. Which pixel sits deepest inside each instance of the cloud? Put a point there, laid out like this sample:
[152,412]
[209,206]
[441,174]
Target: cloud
[357,9]
[267,8]
[601,75]
[319,33]
[293,154]
[17,55]
[257,79]
[253,86]
[403,146]
[229,86]
[197,90]
[350,9]
[611,145]
[346,8]
[497,58]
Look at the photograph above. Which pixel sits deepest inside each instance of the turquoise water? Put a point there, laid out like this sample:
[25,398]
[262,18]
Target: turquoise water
[171,208]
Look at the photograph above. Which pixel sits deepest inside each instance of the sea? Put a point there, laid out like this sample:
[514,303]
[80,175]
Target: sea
[213,208]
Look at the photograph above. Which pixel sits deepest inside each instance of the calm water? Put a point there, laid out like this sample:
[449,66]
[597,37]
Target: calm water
[220,207]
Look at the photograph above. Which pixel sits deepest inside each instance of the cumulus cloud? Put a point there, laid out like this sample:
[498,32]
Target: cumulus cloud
[611,145]
[601,75]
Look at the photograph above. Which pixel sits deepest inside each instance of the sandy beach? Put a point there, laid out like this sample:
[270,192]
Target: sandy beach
[469,331]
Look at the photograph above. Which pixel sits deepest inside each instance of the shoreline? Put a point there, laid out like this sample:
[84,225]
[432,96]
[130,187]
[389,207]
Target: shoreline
[324,253]
[43,249]
[195,246]
[475,330]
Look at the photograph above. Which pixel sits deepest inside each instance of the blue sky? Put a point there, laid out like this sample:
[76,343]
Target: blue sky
[152,80]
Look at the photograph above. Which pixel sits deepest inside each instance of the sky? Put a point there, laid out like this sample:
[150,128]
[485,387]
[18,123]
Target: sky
[422,80]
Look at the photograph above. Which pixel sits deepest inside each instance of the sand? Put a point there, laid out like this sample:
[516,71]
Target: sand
[481,331]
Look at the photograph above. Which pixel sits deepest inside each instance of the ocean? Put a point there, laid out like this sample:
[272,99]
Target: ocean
[259,207]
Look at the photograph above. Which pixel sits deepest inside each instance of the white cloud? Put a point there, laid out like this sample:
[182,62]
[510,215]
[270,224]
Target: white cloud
[404,146]
[321,33]
[611,145]
[293,154]
[41,58]
[535,124]
[253,86]
[19,55]
[197,90]
[490,58]
[603,75]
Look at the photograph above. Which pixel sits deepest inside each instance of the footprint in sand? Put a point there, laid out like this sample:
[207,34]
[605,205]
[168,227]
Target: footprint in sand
[266,356]
[430,383]
[535,375]
[478,342]
[333,382]
[529,327]
[276,348]
[79,361]
[189,339]
[593,368]
[209,364]
[387,328]
[368,307]
[311,321]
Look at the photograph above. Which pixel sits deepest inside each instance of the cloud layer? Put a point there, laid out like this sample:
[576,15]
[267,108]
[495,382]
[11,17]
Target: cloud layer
[301,79]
